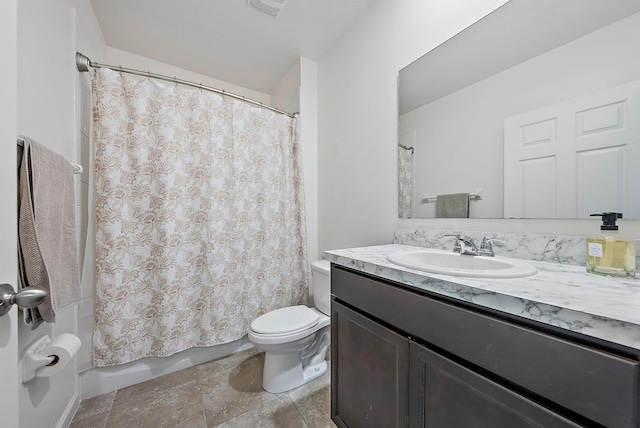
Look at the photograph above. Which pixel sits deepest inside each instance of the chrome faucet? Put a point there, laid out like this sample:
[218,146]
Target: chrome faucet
[465,246]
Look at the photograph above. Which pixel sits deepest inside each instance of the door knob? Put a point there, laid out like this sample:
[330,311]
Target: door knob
[27,298]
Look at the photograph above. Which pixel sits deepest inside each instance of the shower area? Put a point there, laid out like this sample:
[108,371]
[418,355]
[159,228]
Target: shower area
[200,227]
[406,148]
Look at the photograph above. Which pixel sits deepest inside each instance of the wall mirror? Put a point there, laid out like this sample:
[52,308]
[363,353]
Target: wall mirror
[532,108]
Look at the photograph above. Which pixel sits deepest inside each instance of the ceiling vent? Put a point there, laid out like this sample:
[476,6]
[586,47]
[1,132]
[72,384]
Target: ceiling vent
[270,7]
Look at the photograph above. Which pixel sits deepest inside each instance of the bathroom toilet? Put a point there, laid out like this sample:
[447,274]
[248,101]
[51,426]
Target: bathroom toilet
[295,339]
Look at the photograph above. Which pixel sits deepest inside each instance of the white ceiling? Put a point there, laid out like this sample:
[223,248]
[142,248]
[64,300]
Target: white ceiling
[227,39]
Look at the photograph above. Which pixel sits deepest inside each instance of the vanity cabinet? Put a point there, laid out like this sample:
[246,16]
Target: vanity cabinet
[370,369]
[402,357]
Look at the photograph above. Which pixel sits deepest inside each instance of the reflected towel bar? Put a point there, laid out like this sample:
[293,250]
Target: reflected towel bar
[475,196]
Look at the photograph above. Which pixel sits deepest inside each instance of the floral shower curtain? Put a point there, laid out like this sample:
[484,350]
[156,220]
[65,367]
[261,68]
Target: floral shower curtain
[199,217]
[405,182]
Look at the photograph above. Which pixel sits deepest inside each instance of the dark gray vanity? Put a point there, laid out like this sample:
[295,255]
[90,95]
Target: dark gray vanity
[404,356]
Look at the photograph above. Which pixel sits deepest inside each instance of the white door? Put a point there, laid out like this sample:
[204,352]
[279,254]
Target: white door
[9,380]
[575,158]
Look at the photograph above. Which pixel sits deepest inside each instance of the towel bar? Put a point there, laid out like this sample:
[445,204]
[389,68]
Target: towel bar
[77,169]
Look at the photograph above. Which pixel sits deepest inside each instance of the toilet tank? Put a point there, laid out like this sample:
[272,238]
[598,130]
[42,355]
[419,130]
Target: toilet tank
[321,285]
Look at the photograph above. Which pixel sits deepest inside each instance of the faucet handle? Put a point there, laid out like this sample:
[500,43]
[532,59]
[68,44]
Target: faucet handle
[462,242]
[488,240]
[486,247]
[460,237]
[458,245]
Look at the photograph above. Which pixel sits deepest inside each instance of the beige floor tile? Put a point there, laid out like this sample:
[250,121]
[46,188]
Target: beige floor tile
[279,412]
[94,406]
[93,421]
[172,407]
[153,386]
[315,408]
[228,394]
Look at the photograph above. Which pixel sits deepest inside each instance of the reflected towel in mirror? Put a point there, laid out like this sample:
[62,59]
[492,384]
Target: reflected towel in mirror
[455,205]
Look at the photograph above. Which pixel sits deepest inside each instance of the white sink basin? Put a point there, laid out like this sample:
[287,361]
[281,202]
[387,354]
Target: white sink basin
[450,263]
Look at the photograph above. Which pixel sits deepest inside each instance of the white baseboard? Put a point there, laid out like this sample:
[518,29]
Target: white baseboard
[69,412]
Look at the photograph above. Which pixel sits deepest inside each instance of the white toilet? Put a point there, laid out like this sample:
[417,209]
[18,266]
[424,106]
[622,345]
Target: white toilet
[295,339]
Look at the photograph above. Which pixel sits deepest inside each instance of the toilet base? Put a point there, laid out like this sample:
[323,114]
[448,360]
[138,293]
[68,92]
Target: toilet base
[310,373]
[295,361]
[283,372]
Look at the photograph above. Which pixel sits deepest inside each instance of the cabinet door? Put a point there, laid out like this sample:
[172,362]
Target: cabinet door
[444,394]
[369,367]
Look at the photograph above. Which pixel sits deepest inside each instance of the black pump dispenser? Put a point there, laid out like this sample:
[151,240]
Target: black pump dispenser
[609,220]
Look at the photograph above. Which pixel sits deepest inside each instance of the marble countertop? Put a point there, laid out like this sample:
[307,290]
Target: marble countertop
[560,295]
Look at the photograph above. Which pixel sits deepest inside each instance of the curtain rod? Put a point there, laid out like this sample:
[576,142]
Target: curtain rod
[83,63]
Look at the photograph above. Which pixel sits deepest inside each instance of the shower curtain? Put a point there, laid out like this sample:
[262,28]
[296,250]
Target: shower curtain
[405,182]
[200,225]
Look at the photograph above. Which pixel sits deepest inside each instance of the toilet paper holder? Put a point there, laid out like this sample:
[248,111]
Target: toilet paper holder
[34,362]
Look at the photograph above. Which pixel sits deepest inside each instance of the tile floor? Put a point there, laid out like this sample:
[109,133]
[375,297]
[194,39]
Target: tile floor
[222,393]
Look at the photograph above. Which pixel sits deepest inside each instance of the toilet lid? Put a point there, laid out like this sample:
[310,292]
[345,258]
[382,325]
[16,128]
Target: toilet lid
[285,320]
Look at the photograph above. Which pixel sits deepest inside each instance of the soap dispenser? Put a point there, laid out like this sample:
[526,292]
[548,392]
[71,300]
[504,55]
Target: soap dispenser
[608,253]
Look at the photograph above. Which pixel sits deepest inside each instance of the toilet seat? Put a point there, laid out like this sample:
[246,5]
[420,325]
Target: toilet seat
[285,321]
[297,331]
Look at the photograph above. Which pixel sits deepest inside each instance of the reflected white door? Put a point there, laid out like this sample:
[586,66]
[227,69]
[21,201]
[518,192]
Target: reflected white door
[575,158]
[9,380]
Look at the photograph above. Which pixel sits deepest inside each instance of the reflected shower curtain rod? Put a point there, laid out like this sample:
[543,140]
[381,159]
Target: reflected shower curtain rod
[406,148]
[83,63]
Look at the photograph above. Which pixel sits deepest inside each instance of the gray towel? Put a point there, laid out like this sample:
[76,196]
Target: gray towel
[455,205]
[47,249]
